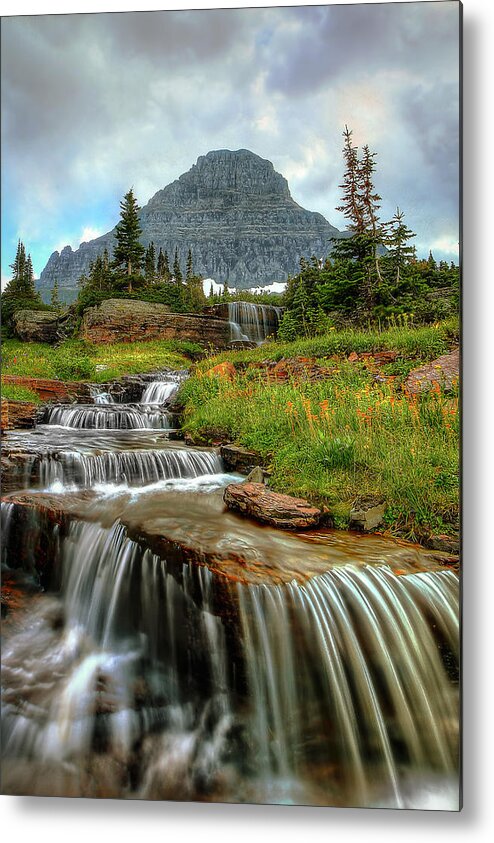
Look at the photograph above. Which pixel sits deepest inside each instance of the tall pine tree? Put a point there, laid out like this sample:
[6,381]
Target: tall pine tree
[128,252]
[177,272]
[150,264]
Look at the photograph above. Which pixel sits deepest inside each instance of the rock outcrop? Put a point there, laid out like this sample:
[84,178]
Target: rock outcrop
[36,326]
[18,414]
[126,320]
[237,458]
[277,510]
[444,372]
[49,389]
[235,213]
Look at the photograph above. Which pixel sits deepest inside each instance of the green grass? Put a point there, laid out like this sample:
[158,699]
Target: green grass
[422,343]
[19,393]
[78,360]
[332,440]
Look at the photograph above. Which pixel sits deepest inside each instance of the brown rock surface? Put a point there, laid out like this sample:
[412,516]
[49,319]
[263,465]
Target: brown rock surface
[18,414]
[273,508]
[127,320]
[367,513]
[444,371]
[52,390]
[224,370]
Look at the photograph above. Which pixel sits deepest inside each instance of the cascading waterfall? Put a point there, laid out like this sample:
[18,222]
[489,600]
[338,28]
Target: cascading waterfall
[157,678]
[132,468]
[347,668]
[101,417]
[341,693]
[159,392]
[139,670]
[100,396]
[253,322]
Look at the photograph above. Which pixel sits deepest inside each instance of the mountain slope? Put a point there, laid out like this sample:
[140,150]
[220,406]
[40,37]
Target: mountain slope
[236,214]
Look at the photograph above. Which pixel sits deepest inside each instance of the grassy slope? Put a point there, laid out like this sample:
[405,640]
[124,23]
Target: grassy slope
[334,439]
[106,362]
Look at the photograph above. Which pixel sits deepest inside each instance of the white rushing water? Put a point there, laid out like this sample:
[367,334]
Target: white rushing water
[146,674]
[253,322]
[343,677]
[159,392]
[101,417]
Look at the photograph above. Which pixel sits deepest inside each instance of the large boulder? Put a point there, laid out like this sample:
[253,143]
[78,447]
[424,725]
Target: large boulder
[127,320]
[36,326]
[273,508]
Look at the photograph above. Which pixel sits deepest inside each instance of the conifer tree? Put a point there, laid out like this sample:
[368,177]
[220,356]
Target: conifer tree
[128,252]
[177,272]
[399,252]
[150,264]
[190,269]
[225,295]
[55,298]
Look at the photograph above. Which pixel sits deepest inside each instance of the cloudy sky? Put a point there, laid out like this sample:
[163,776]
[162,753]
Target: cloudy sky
[92,104]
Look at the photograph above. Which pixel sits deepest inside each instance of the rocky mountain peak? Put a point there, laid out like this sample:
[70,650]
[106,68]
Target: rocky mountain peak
[235,213]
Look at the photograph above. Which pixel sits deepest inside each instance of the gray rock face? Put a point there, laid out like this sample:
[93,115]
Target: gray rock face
[36,326]
[236,214]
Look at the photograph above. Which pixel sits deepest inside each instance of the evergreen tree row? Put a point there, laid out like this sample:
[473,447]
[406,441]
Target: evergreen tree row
[373,272]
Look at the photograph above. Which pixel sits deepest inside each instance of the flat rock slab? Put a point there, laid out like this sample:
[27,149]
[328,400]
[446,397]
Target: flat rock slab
[445,371]
[273,508]
[18,414]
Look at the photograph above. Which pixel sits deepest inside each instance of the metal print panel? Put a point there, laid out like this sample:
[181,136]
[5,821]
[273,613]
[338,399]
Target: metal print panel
[230,299]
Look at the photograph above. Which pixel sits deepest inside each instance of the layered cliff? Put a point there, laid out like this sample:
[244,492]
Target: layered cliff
[235,213]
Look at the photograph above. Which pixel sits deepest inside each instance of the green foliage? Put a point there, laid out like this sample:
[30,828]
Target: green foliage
[71,365]
[333,439]
[20,294]
[128,251]
[372,274]
[80,360]
[12,392]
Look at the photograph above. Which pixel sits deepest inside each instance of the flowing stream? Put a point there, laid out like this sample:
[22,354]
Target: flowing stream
[178,651]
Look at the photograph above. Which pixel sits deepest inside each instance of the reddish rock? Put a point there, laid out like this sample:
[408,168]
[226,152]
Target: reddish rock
[273,508]
[225,370]
[445,372]
[52,390]
[18,414]
[353,357]
[127,320]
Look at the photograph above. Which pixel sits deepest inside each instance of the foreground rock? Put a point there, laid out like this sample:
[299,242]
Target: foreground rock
[127,320]
[273,508]
[241,460]
[36,326]
[367,513]
[49,389]
[444,372]
[18,414]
